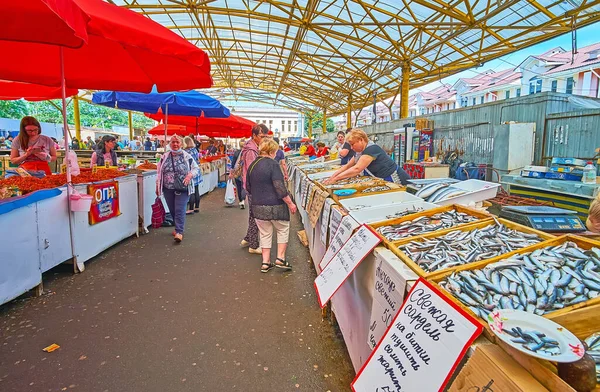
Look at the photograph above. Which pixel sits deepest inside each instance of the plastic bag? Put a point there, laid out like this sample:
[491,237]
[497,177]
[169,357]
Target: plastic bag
[158,213]
[230,193]
[72,162]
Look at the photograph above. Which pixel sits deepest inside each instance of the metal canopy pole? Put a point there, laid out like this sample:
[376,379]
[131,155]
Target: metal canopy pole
[404,90]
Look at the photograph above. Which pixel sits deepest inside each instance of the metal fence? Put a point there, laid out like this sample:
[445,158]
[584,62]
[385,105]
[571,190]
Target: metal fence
[573,134]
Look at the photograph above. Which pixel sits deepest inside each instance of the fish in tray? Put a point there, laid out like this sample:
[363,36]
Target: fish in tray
[439,191]
[539,282]
[593,349]
[425,224]
[464,247]
[376,189]
[404,213]
[534,341]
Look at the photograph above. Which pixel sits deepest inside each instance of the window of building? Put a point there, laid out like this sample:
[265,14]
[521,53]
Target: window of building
[507,94]
[295,126]
[554,86]
[518,92]
[570,83]
[482,100]
[283,127]
[474,101]
[290,126]
[453,105]
[395,115]
[535,85]
[270,124]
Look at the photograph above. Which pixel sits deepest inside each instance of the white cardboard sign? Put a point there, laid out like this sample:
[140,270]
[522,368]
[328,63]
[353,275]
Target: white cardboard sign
[344,262]
[390,286]
[336,218]
[422,347]
[325,220]
[343,233]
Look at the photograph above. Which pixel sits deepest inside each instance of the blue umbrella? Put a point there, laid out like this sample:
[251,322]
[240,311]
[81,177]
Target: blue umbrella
[188,103]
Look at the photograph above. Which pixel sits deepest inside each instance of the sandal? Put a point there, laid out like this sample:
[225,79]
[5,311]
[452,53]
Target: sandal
[269,266]
[178,237]
[284,264]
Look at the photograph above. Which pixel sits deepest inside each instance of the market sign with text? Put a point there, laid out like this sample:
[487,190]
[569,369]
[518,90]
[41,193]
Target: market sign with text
[105,201]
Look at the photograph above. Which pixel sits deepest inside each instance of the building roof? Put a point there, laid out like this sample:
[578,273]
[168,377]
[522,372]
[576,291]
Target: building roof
[581,59]
[499,78]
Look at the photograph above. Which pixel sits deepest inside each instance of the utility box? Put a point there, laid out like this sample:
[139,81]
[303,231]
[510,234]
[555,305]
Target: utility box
[513,145]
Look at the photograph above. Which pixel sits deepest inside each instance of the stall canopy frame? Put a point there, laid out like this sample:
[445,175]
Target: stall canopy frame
[313,54]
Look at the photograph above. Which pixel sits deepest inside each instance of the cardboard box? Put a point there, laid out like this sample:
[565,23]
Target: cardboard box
[568,161]
[491,369]
[532,174]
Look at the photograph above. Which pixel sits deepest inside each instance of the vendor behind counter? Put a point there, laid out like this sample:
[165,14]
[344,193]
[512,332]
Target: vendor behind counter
[31,150]
[369,159]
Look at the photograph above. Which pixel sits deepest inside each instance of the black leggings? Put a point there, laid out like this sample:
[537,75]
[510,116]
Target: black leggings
[194,202]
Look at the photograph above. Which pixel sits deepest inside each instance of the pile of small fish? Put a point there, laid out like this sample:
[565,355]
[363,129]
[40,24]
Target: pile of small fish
[534,341]
[380,188]
[539,282]
[439,191]
[359,180]
[464,247]
[404,213]
[593,348]
[425,224]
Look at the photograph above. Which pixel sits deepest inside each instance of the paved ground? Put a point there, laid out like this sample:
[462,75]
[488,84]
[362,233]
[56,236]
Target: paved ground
[150,316]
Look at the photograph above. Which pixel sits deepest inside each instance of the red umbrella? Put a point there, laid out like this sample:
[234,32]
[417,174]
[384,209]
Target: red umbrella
[64,23]
[233,121]
[125,51]
[213,131]
[31,92]
[172,129]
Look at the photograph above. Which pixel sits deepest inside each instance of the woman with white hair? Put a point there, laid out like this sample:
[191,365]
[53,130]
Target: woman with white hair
[176,170]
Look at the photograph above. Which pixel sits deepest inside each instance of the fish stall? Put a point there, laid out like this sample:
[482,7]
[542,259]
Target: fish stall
[527,298]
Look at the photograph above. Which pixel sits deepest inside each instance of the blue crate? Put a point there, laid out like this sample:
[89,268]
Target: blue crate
[532,174]
[563,176]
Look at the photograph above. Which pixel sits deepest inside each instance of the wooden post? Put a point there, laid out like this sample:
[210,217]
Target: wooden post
[77,118]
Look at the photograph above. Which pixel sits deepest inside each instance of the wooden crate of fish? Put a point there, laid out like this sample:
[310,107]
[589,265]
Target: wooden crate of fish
[358,183]
[428,221]
[313,170]
[551,279]
[466,247]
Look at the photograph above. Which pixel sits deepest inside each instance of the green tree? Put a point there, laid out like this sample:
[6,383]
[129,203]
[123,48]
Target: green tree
[45,111]
[317,123]
[14,109]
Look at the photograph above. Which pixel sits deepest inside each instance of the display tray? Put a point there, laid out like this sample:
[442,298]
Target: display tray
[359,192]
[394,247]
[583,243]
[478,214]
[366,182]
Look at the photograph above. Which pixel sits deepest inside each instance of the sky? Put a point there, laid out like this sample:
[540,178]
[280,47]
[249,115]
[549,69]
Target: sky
[585,36]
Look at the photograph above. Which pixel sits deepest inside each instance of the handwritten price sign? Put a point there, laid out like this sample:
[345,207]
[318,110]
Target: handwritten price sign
[422,346]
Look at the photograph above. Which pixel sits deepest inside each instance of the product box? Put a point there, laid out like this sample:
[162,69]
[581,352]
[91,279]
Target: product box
[542,169]
[532,174]
[563,176]
[569,161]
[576,170]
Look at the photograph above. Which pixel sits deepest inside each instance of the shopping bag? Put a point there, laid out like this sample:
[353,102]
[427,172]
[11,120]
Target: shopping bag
[230,193]
[158,213]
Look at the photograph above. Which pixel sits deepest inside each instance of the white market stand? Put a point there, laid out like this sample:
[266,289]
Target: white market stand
[35,234]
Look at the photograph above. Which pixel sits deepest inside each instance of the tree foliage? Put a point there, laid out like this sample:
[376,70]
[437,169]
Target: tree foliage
[317,123]
[93,116]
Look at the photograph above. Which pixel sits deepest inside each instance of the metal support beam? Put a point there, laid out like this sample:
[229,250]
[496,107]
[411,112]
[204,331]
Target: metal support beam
[324,121]
[349,113]
[76,118]
[130,117]
[404,90]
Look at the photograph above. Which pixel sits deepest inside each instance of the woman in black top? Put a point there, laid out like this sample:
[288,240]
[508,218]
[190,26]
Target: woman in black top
[271,204]
[369,159]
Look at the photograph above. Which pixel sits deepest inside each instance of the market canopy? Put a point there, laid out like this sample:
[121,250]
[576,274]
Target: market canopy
[185,103]
[31,92]
[314,54]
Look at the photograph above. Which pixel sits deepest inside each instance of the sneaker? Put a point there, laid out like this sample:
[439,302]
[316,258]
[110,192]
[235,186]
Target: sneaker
[244,243]
[242,205]
[256,251]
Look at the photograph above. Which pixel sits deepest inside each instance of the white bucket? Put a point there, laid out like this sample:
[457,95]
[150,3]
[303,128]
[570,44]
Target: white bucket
[81,203]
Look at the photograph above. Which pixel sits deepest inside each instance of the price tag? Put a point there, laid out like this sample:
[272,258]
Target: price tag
[343,233]
[336,218]
[325,220]
[422,347]
[344,262]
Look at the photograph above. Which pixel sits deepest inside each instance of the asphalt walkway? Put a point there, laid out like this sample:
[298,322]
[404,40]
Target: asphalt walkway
[147,315]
